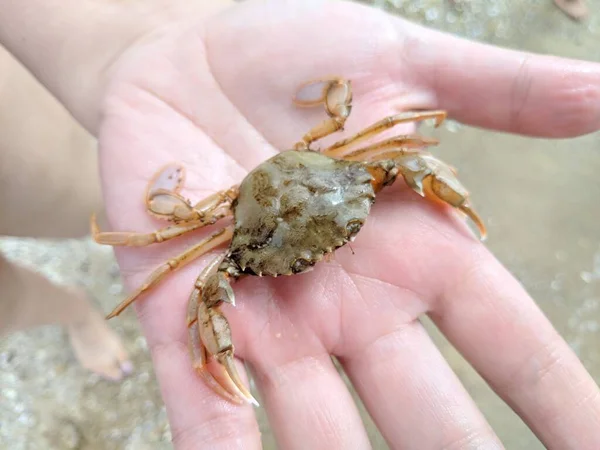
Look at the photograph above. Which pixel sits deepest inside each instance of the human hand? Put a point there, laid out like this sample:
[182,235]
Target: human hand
[214,94]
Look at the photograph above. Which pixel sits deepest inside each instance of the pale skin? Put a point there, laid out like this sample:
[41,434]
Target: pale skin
[45,154]
[189,79]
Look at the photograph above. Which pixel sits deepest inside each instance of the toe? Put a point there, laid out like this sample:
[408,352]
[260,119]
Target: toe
[99,349]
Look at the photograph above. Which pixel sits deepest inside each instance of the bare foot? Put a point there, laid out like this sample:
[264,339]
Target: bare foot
[99,349]
[575,9]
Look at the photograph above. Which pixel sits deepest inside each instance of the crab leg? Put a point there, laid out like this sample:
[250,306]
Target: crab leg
[164,202]
[210,292]
[399,144]
[174,264]
[395,154]
[336,95]
[162,197]
[131,239]
[169,205]
[430,178]
[340,147]
[197,350]
[210,211]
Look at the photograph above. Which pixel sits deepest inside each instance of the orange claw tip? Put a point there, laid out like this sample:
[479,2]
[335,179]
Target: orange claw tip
[441,118]
[251,400]
[94,228]
[94,224]
[111,315]
[476,220]
[233,379]
[483,235]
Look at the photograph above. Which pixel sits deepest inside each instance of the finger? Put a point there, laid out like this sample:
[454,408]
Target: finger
[398,372]
[308,404]
[494,323]
[488,86]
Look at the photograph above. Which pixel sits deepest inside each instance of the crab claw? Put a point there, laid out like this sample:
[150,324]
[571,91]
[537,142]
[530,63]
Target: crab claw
[471,214]
[227,362]
[449,190]
[437,181]
[215,335]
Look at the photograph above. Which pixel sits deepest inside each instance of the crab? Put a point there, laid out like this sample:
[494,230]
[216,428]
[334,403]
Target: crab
[290,212]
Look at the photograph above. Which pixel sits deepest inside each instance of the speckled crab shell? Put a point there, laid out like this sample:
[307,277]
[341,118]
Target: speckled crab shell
[294,209]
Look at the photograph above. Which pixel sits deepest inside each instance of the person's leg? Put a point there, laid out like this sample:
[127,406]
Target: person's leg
[49,181]
[576,9]
[29,300]
[49,187]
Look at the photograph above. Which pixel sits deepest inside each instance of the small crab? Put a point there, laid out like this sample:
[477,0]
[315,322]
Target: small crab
[289,213]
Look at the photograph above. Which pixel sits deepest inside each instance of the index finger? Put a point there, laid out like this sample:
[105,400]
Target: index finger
[394,65]
[506,90]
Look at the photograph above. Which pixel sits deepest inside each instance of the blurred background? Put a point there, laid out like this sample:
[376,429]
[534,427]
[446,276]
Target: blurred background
[539,199]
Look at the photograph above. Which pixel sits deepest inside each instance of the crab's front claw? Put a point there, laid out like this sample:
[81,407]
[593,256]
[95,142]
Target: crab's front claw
[215,335]
[438,182]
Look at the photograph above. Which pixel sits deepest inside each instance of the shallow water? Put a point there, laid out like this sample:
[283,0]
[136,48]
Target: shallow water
[538,197]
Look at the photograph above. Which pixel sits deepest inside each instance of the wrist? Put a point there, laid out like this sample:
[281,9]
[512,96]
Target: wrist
[69,46]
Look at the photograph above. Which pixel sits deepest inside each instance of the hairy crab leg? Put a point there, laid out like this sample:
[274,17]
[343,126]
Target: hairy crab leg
[399,143]
[171,206]
[338,148]
[132,239]
[163,201]
[175,263]
[430,178]
[215,332]
[395,154]
[197,350]
[162,197]
[336,95]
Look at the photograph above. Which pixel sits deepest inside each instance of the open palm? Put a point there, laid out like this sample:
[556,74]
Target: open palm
[215,96]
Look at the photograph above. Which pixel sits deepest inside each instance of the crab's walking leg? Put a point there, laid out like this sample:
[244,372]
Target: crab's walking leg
[336,95]
[340,147]
[214,331]
[175,263]
[196,348]
[402,144]
[429,177]
[132,239]
[168,205]
[163,201]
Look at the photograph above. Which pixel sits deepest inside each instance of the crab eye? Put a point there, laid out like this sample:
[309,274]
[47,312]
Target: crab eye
[300,265]
[353,227]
